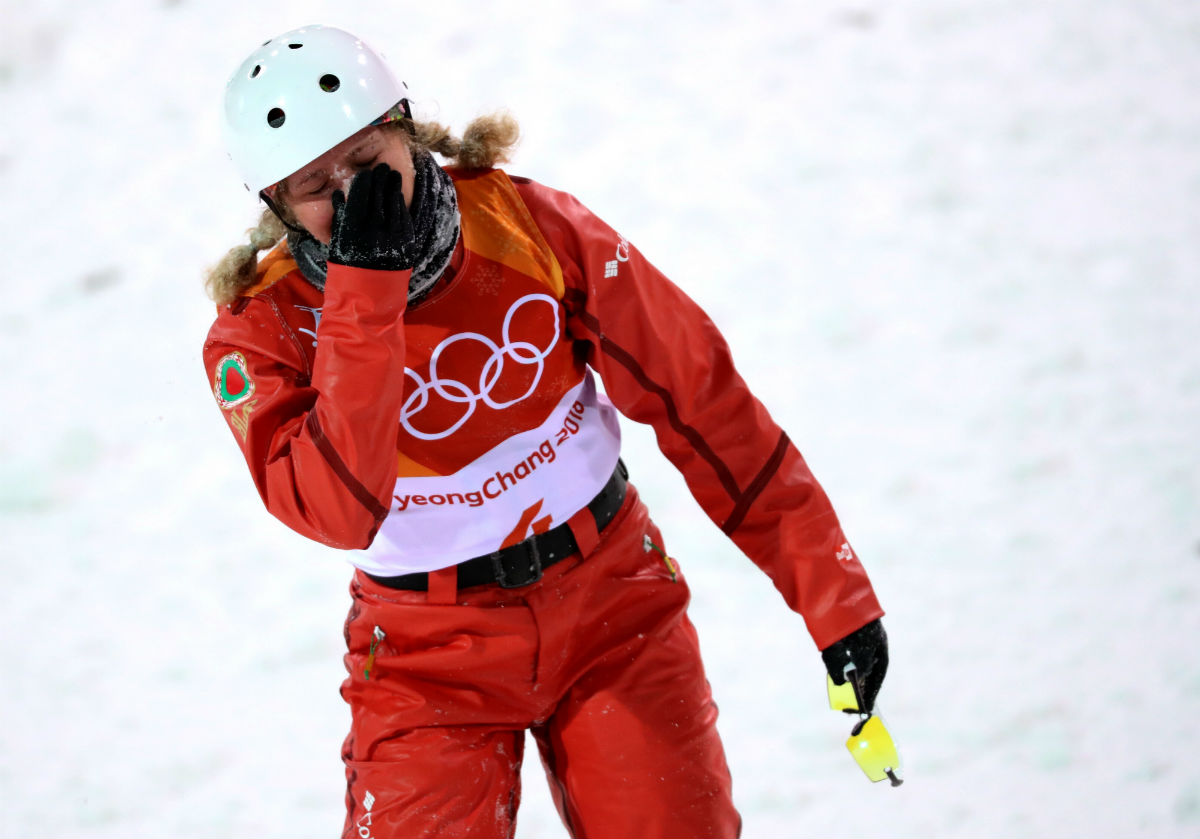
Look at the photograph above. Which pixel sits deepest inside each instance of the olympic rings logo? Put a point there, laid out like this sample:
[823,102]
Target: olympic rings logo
[522,353]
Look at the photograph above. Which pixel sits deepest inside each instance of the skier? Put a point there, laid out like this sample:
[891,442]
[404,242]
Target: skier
[409,373]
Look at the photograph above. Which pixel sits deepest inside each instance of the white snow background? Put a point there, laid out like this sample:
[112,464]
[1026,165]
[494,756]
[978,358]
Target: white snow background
[956,249]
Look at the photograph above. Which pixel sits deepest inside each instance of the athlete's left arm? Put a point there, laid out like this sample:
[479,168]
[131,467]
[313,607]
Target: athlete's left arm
[663,362]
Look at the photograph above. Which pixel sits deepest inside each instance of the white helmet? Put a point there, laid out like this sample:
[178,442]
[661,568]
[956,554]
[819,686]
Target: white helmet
[299,95]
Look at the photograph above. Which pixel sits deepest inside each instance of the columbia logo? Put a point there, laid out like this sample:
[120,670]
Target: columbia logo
[845,554]
[368,801]
[610,269]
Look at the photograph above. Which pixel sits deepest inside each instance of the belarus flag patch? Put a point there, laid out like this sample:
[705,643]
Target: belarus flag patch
[232,384]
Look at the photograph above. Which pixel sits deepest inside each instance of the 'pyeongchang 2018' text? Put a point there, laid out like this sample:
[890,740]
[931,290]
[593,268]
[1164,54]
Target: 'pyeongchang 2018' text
[493,487]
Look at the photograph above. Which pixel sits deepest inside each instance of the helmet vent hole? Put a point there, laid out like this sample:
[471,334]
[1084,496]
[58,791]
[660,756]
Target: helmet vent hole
[330,83]
[295,46]
[275,117]
[257,69]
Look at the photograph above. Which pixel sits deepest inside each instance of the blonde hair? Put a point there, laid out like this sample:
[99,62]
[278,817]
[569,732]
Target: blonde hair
[487,141]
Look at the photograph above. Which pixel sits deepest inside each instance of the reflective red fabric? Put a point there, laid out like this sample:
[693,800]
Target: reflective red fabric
[598,659]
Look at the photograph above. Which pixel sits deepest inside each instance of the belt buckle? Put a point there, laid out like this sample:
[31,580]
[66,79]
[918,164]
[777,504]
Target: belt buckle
[522,573]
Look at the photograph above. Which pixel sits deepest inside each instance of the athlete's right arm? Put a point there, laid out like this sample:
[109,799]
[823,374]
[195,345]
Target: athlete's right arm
[322,449]
[320,444]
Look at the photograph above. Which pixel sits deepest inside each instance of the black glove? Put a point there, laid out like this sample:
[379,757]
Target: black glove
[372,229]
[867,650]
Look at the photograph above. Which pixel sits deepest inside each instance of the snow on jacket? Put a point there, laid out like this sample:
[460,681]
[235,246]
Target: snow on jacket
[417,438]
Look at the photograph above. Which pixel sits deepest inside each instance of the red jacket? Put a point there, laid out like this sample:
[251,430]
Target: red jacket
[337,440]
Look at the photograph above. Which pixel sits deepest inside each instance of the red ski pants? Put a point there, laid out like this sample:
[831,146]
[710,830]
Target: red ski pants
[598,659]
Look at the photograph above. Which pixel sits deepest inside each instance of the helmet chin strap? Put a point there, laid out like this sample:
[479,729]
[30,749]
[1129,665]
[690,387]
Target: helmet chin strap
[274,208]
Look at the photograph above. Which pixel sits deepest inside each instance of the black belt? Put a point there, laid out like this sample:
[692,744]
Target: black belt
[521,564]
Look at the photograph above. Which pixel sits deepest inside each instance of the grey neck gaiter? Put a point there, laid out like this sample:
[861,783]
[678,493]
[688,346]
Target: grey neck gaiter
[436,224]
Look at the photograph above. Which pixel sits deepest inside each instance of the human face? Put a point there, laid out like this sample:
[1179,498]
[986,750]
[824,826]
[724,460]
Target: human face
[308,192]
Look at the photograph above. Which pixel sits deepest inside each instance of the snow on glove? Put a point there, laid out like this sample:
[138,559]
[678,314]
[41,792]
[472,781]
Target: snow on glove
[372,228]
[866,649]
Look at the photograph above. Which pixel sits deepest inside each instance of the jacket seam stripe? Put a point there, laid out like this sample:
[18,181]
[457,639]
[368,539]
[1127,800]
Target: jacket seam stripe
[291,333]
[756,486]
[360,492]
[626,360]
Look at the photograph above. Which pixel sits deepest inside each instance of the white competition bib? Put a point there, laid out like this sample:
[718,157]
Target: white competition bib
[539,477]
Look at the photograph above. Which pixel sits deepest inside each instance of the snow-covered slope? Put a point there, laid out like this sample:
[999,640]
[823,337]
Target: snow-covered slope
[956,247]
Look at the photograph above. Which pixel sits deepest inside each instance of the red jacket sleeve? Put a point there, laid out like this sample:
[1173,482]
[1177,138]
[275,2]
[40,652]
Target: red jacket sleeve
[320,444]
[663,362]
